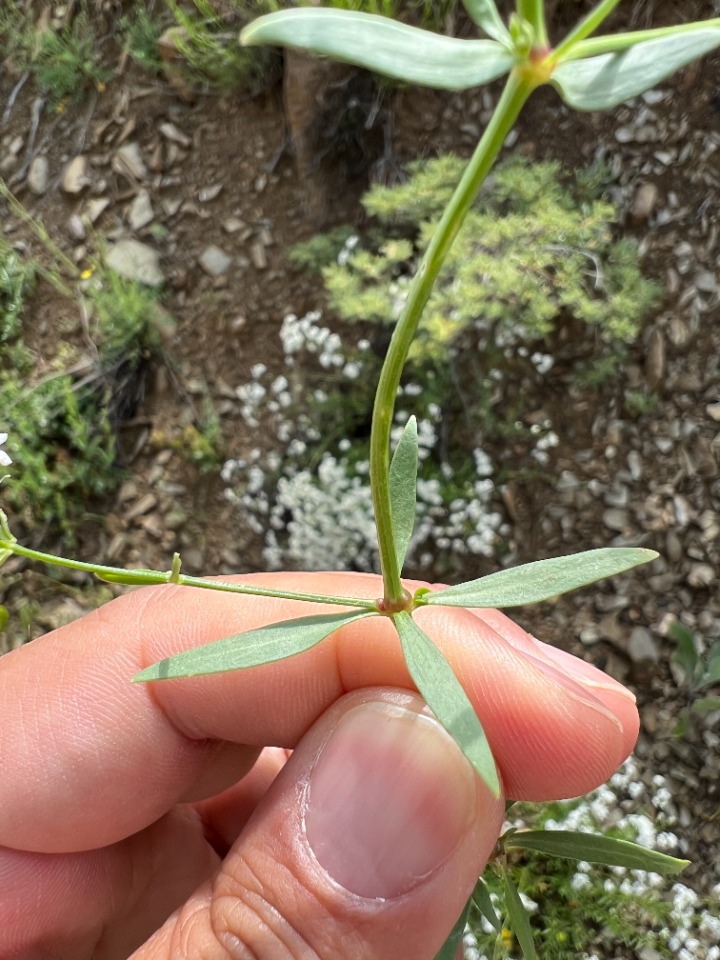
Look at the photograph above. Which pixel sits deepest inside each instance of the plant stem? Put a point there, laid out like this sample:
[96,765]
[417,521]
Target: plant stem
[534,12]
[615,43]
[518,88]
[587,26]
[148,577]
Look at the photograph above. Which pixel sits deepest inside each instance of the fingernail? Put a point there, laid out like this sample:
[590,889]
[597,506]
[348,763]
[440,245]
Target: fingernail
[390,798]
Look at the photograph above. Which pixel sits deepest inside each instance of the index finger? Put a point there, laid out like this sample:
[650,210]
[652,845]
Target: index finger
[90,758]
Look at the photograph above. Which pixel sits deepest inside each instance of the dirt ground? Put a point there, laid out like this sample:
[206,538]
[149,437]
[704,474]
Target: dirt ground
[650,479]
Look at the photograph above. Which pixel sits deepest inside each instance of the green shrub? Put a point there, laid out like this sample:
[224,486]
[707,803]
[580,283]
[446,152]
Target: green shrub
[16,282]
[67,63]
[531,261]
[61,424]
[208,44]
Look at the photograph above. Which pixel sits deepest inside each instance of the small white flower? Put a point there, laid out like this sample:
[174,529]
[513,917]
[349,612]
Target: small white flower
[5,460]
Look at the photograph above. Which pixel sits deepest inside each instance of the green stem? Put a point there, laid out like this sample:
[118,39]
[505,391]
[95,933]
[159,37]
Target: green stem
[616,43]
[518,88]
[534,12]
[148,577]
[587,26]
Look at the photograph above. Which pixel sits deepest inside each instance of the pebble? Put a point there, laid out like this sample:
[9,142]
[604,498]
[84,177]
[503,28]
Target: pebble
[701,575]
[74,178]
[214,261]
[641,647]
[713,411]
[209,193]
[192,560]
[136,261]
[144,505]
[37,179]
[95,208]
[615,519]
[141,212]
[76,228]
[646,198]
[129,160]
[171,132]
[706,282]
[258,256]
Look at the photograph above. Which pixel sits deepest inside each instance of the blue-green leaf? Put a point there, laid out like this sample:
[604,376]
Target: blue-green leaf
[599,83]
[443,693]
[518,917]
[482,900]
[385,46]
[276,641]
[402,481]
[540,580]
[705,705]
[594,848]
[449,949]
[484,13]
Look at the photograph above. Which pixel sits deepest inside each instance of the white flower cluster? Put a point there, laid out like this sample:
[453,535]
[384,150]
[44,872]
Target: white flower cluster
[319,515]
[5,460]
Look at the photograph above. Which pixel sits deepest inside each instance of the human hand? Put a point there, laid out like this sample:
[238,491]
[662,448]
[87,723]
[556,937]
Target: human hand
[156,818]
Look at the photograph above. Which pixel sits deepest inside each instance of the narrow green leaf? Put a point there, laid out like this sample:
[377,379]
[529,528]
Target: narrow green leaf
[540,580]
[481,899]
[711,674]
[385,46]
[705,705]
[276,641]
[449,949]
[402,480]
[485,14]
[603,82]
[518,917]
[443,693]
[595,849]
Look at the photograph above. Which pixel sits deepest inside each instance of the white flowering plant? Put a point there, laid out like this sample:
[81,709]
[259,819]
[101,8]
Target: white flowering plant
[590,73]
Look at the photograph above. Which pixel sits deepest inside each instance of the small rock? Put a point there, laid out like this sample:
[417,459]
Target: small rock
[144,505]
[644,203]
[234,225]
[74,178]
[713,411]
[171,132]
[258,256]
[209,193]
[76,228]
[706,282]
[615,519]
[152,525]
[642,647]
[701,575]
[171,205]
[141,212]
[127,491]
[193,560]
[261,183]
[128,160]
[95,208]
[214,261]
[655,359]
[37,179]
[136,261]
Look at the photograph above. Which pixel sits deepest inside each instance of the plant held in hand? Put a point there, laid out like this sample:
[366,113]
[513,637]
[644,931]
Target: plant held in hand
[589,73]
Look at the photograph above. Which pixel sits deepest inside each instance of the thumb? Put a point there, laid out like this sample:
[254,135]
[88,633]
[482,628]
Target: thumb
[366,846]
